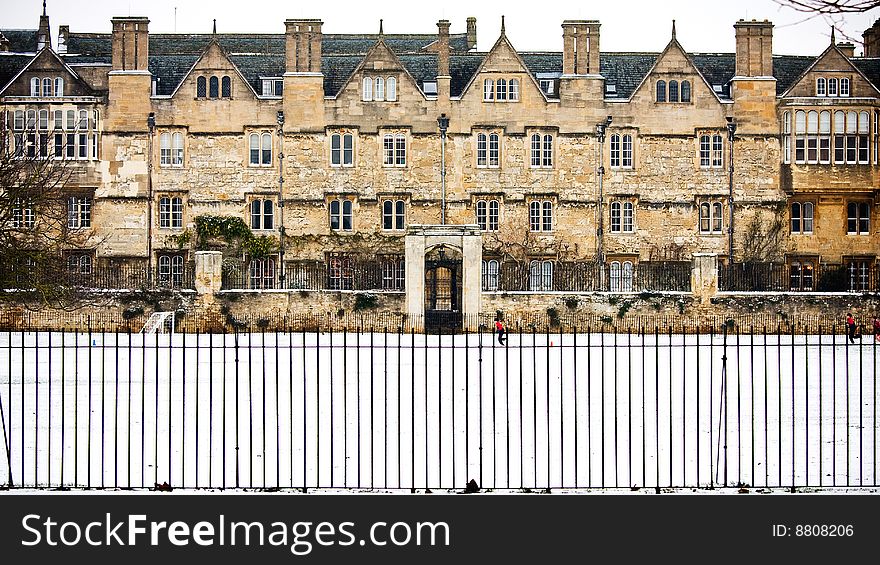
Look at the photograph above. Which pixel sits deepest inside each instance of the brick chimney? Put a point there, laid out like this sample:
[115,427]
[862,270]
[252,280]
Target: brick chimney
[63,33]
[848,49]
[44,38]
[130,43]
[472,32]
[580,47]
[443,77]
[871,39]
[754,48]
[303,46]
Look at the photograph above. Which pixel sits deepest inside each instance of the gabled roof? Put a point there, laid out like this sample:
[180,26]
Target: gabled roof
[831,48]
[50,53]
[200,57]
[502,40]
[380,43]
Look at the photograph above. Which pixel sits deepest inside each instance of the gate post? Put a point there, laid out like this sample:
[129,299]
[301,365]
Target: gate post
[209,273]
[704,276]
[415,273]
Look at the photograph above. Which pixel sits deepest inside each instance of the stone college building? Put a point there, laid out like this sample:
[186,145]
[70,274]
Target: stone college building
[414,165]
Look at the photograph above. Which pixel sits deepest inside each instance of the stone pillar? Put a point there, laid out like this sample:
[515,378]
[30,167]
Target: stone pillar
[415,273]
[704,276]
[209,273]
[472,265]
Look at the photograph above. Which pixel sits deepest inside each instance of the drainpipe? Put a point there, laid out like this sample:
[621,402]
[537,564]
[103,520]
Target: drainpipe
[151,125]
[731,131]
[281,198]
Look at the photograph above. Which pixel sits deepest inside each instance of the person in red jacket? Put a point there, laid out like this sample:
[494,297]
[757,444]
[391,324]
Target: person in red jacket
[499,329]
[876,328]
[851,327]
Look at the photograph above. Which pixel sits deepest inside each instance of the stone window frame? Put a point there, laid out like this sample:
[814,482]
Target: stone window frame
[681,86]
[858,219]
[172,155]
[393,272]
[485,135]
[622,202]
[79,261]
[842,86]
[710,150]
[540,156]
[80,211]
[541,273]
[802,272]
[493,93]
[542,218]
[379,88]
[261,134]
[860,270]
[802,214]
[23,214]
[397,218]
[165,203]
[261,216]
[713,217]
[262,272]
[490,273]
[340,214]
[38,87]
[213,87]
[398,154]
[617,156]
[340,270]
[342,134]
[487,200]
[621,271]
[170,267]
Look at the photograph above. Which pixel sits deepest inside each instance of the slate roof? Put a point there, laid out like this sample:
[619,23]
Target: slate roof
[259,55]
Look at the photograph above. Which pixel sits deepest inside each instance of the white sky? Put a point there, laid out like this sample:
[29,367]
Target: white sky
[627,25]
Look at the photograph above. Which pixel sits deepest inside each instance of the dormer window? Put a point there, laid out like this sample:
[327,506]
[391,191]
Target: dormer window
[273,86]
[677,91]
[429,87]
[46,87]
[210,87]
[501,90]
[831,86]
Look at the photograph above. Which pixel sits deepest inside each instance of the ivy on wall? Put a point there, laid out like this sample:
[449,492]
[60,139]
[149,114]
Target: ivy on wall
[232,231]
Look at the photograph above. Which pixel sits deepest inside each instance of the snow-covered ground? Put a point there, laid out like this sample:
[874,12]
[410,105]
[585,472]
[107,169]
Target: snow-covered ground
[387,411]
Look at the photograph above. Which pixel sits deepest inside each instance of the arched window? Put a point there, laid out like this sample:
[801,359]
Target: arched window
[493,149]
[482,207]
[201,87]
[165,149]
[44,120]
[825,136]
[368,89]
[254,146]
[820,86]
[391,89]
[685,91]
[266,149]
[482,149]
[380,89]
[661,91]
[832,87]
[388,215]
[488,89]
[493,215]
[547,153]
[812,136]
[541,275]
[226,87]
[59,86]
[536,150]
[213,87]
[673,91]
[615,150]
[47,87]
[501,89]
[490,275]
[615,216]
[844,87]
[513,88]
[35,86]
[177,149]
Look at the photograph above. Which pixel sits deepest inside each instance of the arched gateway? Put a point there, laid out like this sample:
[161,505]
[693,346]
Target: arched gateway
[443,274]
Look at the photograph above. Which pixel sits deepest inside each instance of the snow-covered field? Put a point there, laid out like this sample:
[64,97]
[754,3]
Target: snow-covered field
[387,411]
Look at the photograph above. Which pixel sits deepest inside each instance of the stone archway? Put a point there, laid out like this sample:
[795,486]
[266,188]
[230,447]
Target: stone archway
[443,274]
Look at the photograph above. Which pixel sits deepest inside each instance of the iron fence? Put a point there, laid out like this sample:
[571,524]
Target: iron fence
[645,408]
[340,274]
[541,276]
[799,277]
[128,277]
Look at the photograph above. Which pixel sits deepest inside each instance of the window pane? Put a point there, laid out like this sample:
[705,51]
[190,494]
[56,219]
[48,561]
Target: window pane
[335,150]
[214,87]
[348,149]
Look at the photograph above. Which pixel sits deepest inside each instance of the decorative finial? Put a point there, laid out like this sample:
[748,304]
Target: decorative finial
[832,35]
[673,29]
[215,26]
[44,7]
[502,25]
[380,27]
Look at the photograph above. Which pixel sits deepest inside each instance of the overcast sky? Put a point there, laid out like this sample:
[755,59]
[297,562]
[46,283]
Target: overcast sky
[627,25]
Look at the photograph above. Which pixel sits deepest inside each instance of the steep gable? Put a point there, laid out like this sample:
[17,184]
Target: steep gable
[379,61]
[46,64]
[503,59]
[214,62]
[674,63]
[832,63]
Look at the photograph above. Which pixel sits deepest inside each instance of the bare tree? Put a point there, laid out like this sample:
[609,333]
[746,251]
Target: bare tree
[34,228]
[830,6]
[765,239]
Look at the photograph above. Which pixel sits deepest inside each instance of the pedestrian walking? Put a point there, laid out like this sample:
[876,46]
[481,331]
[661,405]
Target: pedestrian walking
[851,328]
[501,331]
[876,325]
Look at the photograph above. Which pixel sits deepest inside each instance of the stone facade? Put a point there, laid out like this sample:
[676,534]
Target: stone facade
[301,98]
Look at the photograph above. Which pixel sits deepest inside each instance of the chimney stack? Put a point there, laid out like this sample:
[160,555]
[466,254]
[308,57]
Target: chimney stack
[130,43]
[303,46]
[44,37]
[443,48]
[63,32]
[472,32]
[871,39]
[848,49]
[754,48]
[580,47]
